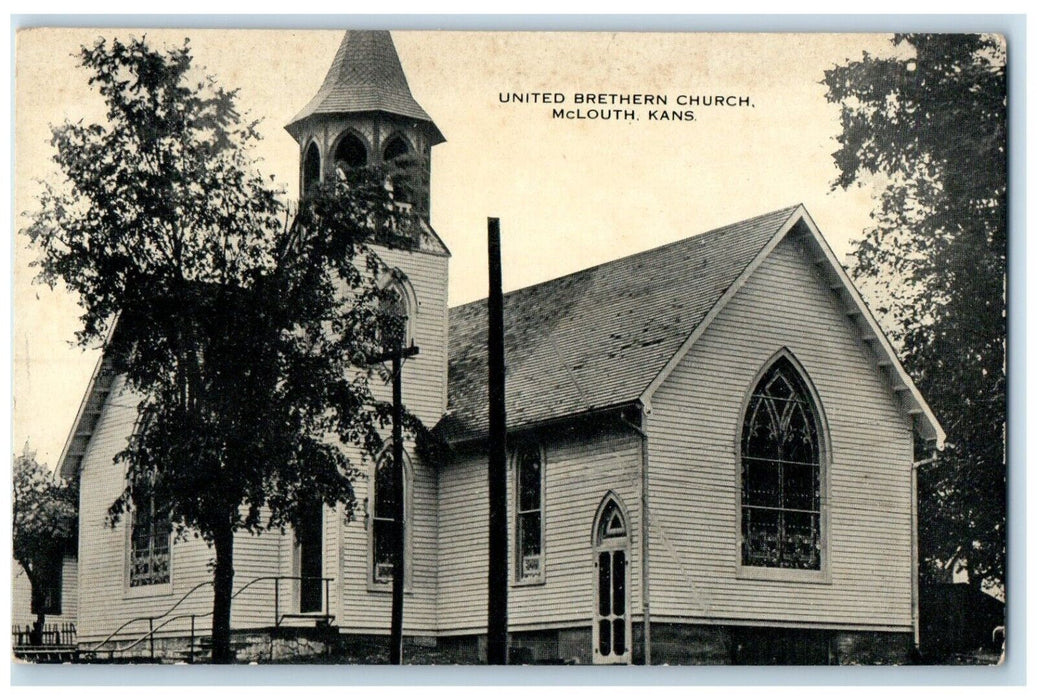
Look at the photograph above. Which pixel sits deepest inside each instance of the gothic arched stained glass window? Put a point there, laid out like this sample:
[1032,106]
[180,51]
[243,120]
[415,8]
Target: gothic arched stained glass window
[781,473]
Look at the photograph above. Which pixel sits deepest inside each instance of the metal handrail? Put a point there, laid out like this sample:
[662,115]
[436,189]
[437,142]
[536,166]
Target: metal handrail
[277,592]
[151,633]
[151,619]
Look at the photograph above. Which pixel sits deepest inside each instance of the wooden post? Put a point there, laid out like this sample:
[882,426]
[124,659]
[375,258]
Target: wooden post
[396,623]
[497,578]
[397,355]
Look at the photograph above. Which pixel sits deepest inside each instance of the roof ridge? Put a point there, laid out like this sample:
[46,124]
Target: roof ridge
[648,251]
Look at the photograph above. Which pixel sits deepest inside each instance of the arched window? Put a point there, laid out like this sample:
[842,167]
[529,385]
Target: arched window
[395,148]
[311,169]
[402,175]
[529,514]
[350,152]
[394,318]
[781,449]
[381,511]
[397,308]
[611,633]
[611,523]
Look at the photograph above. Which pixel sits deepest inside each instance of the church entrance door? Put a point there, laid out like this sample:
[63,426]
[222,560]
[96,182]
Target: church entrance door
[611,632]
[310,542]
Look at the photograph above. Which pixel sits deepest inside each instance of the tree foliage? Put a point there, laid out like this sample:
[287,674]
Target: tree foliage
[931,121]
[241,335]
[45,510]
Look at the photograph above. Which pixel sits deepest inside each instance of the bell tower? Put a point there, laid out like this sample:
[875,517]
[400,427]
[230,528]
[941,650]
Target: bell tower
[364,114]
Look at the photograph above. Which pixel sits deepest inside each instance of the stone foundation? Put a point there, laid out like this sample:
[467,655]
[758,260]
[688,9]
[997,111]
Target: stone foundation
[742,645]
[672,644]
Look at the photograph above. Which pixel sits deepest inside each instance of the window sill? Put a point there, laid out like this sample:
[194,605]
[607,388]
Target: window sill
[153,590]
[763,573]
[529,582]
[386,588]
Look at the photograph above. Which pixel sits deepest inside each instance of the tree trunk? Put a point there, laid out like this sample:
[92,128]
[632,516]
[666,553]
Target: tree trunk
[37,606]
[223,589]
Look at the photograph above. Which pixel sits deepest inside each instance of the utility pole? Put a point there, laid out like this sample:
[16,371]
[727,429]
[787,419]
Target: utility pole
[497,577]
[397,354]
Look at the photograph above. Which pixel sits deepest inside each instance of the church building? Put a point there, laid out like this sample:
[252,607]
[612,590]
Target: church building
[711,456]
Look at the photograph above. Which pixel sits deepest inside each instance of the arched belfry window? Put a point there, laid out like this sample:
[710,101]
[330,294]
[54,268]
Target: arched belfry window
[396,147]
[311,169]
[782,473]
[402,177]
[350,152]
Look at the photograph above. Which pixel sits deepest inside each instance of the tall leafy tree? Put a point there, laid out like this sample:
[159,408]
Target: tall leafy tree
[930,121]
[245,338]
[45,519]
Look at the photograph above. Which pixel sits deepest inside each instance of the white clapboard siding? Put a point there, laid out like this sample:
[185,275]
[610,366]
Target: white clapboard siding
[105,598]
[21,594]
[579,470]
[694,465]
[367,608]
[425,375]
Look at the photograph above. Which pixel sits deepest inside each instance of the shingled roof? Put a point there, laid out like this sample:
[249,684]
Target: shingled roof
[366,76]
[598,337]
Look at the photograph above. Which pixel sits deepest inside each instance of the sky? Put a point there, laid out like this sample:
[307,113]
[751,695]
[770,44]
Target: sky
[570,193]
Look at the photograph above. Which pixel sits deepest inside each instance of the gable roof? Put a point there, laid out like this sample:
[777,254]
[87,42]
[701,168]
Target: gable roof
[597,337]
[609,335]
[366,76]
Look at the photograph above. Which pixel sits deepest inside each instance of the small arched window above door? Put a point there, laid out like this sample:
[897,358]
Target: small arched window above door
[611,523]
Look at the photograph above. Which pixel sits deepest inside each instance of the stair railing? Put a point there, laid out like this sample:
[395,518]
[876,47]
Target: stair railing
[152,619]
[278,618]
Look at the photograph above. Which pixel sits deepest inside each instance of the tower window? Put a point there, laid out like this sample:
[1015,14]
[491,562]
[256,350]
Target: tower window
[395,148]
[396,309]
[350,152]
[781,473]
[311,169]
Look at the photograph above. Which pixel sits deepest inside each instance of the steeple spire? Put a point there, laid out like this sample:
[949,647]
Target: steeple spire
[366,76]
